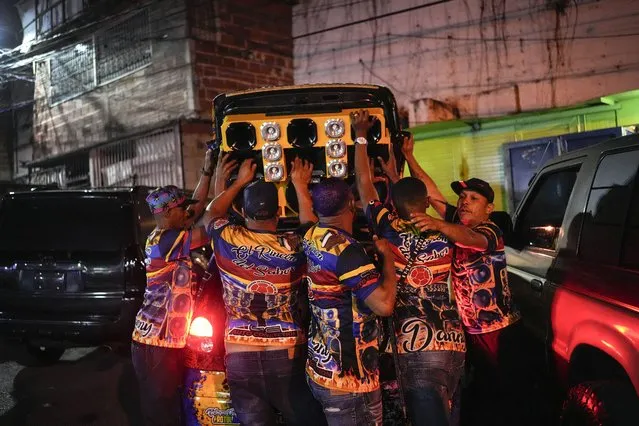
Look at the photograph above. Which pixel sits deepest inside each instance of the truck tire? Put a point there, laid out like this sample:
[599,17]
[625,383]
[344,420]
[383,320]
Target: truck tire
[45,354]
[600,403]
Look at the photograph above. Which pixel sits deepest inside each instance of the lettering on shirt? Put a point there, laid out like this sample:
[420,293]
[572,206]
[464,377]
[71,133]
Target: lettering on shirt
[408,238]
[312,249]
[143,327]
[242,254]
[322,351]
[418,335]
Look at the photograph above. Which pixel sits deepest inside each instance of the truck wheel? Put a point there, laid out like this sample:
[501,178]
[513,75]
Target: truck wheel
[600,403]
[45,354]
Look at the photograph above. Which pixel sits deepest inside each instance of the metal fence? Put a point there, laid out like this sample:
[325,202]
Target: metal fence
[152,160]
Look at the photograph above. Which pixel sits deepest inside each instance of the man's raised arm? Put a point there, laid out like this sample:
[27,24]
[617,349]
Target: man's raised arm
[301,173]
[363,174]
[436,198]
[201,190]
[221,204]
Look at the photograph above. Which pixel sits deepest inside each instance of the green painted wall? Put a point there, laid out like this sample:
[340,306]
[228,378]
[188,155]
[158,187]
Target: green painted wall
[453,150]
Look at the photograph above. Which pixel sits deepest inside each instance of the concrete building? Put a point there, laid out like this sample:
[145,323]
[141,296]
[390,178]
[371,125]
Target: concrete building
[492,88]
[123,89]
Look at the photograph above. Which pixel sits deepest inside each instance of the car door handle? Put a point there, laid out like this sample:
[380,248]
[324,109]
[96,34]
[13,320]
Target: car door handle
[536,285]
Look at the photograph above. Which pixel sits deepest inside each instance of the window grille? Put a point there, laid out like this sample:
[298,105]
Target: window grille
[150,160]
[123,48]
[70,172]
[72,71]
[109,55]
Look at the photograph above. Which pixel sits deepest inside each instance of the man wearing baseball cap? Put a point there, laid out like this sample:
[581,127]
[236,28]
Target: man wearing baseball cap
[161,325]
[494,334]
[262,272]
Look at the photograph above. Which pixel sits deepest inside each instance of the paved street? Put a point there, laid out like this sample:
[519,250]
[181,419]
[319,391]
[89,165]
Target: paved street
[89,386]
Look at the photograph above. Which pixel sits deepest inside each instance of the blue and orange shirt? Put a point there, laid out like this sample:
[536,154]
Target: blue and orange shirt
[165,316]
[342,342]
[261,275]
[480,282]
[425,317]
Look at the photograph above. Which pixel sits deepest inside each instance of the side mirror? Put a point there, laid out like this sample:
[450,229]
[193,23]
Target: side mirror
[542,236]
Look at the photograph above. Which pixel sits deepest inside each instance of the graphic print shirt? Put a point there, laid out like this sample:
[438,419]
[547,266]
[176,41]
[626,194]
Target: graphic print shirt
[261,274]
[342,343]
[165,316]
[425,317]
[480,282]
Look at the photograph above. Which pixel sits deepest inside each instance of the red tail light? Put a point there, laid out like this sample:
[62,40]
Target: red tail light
[201,327]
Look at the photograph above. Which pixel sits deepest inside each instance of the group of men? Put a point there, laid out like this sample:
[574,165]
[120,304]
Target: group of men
[325,370]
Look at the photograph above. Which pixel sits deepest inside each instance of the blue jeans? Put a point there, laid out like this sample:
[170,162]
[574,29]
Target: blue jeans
[430,382]
[349,409]
[160,373]
[262,382]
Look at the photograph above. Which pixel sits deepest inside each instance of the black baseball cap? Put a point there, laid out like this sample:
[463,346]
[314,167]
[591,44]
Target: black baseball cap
[473,184]
[261,200]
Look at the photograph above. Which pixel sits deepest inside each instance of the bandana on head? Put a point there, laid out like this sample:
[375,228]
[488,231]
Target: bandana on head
[166,198]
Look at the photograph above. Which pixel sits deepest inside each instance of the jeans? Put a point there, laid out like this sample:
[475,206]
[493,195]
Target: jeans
[160,372]
[347,408]
[430,381]
[262,382]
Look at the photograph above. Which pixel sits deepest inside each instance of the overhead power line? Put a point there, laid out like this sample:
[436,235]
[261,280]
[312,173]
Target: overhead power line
[373,18]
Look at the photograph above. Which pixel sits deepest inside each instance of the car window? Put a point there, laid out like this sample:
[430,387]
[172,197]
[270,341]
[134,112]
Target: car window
[67,226]
[540,219]
[610,226]
[630,247]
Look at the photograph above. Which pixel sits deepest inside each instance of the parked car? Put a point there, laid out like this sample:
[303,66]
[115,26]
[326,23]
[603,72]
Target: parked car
[8,186]
[273,126]
[72,266]
[573,267]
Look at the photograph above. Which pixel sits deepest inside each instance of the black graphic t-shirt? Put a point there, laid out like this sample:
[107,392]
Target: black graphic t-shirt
[426,319]
[480,282]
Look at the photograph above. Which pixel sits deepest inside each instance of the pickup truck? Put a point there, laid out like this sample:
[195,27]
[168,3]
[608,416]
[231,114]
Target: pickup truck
[573,267]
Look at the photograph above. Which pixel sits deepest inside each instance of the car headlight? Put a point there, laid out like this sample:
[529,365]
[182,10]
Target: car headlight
[274,172]
[272,152]
[337,169]
[336,148]
[334,128]
[270,131]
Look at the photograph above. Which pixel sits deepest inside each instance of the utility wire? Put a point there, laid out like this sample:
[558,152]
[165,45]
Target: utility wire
[373,18]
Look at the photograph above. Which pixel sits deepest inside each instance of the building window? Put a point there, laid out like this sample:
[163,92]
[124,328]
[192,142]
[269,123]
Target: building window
[72,71]
[111,54]
[51,14]
[123,48]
